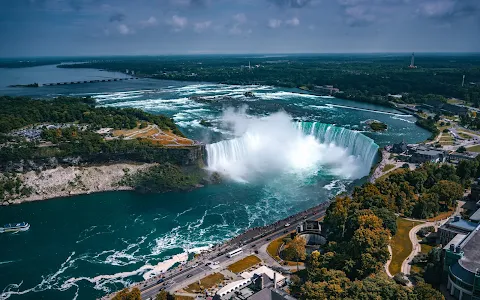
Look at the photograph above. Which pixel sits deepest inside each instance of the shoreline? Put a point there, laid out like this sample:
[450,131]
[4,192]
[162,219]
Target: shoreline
[71,181]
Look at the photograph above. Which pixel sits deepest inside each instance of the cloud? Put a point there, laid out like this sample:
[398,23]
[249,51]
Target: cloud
[359,16]
[124,29]
[178,23]
[290,3]
[190,3]
[239,23]
[240,18]
[117,17]
[448,9]
[150,22]
[202,26]
[293,22]
[274,23]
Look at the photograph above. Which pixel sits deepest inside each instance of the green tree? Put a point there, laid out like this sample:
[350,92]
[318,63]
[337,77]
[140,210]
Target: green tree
[424,291]
[296,249]
[127,294]
[448,192]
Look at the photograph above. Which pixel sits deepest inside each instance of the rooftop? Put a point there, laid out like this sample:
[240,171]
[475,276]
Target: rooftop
[471,249]
[455,241]
[462,224]
[476,216]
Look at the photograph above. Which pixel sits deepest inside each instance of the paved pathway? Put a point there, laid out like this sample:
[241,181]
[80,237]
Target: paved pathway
[412,234]
[387,265]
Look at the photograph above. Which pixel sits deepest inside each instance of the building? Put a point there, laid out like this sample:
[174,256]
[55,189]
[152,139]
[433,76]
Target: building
[399,148]
[271,294]
[454,226]
[475,190]
[260,278]
[456,157]
[423,154]
[326,89]
[461,266]
[309,226]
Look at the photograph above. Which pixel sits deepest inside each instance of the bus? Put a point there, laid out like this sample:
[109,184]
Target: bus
[234,252]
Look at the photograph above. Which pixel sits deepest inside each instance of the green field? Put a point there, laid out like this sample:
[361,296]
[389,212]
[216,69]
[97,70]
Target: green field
[475,148]
[244,264]
[401,245]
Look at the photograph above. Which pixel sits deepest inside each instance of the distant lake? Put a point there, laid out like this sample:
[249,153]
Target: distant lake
[47,74]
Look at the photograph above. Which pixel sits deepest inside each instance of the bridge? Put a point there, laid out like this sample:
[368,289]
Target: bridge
[89,81]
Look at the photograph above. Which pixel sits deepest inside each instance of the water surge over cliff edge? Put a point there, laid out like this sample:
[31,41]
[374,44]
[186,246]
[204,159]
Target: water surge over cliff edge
[274,145]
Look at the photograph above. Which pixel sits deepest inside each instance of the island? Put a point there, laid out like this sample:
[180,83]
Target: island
[67,146]
[377,126]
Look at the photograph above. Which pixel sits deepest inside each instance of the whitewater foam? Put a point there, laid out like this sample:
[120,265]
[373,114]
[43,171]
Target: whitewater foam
[272,144]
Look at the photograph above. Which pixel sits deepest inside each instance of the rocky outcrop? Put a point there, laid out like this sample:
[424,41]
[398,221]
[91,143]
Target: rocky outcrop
[181,156]
[74,180]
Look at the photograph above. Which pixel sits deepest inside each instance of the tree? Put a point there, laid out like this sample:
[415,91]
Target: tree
[336,217]
[448,192]
[425,291]
[126,294]
[164,295]
[427,206]
[296,249]
[388,217]
[461,149]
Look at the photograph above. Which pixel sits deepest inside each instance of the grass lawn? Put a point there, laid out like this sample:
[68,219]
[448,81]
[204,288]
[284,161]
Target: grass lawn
[244,264]
[401,245]
[475,148]
[464,135]
[425,248]
[388,167]
[205,283]
[273,247]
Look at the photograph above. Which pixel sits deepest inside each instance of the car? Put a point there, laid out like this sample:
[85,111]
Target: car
[208,263]
[194,265]
[268,239]
[160,281]
[216,263]
[256,251]
[253,245]
[189,275]
[287,224]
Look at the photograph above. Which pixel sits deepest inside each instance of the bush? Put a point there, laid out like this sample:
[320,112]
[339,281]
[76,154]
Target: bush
[400,278]
[423,232]
[446,130]
[461,149]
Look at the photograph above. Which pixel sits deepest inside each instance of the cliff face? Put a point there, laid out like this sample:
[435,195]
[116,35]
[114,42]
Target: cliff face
[183,157]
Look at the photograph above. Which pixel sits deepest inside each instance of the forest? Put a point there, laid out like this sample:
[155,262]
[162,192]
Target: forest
[358,229]
[74,139]
[367,77]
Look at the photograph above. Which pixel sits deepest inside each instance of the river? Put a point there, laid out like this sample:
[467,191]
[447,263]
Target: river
[86,246]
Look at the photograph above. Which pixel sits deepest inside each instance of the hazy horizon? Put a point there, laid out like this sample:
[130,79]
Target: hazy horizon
[190,27]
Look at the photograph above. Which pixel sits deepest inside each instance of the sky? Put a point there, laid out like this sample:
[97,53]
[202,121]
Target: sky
[151,27]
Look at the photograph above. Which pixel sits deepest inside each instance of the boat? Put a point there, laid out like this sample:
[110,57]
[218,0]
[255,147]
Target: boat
[24,226]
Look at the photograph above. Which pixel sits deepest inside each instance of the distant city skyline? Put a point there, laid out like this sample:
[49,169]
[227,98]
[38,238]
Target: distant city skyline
[165,27]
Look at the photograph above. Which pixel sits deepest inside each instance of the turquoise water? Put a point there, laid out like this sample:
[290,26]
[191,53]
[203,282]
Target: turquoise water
[85,246]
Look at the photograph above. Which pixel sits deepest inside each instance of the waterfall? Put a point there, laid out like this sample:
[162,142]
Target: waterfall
[277,146]
[355,142]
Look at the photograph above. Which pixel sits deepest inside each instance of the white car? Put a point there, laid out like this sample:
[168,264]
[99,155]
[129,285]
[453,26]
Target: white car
[288,224]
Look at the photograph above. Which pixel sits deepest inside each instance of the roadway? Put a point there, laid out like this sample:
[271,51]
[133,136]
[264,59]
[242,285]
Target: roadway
[196,269]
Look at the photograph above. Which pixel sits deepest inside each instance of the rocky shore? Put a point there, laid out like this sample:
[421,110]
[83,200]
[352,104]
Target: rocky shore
[75,180]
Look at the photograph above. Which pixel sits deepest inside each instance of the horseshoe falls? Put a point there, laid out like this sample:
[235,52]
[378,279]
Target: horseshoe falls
[276,145]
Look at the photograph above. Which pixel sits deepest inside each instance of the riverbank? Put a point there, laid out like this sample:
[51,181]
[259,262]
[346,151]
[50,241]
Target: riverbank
[75,180]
